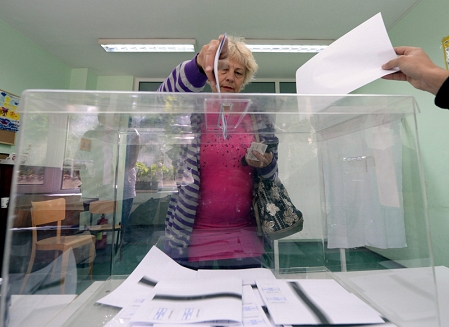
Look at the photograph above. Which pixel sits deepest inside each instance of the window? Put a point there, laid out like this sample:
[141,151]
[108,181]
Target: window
[258,86]
[50,143]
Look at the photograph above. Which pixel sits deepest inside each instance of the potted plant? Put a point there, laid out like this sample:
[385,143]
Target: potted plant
[155,173]
[143,176]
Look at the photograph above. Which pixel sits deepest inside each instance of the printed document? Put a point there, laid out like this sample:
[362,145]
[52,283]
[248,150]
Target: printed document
[186,301]
[314,302]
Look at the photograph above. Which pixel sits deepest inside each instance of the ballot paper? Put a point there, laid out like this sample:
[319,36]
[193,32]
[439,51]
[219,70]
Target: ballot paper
[314,302]
[252,312]
[155,266]
[215,108]
[222,118]
[217,59]
[350,62]
[187,301]
[258,147]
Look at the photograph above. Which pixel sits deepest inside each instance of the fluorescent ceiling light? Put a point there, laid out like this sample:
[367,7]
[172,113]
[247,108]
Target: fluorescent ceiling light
[148,45]
[295,46]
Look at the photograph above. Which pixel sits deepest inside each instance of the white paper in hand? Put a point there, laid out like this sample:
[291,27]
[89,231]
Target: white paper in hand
[216,59]
[350,62]
[258,147]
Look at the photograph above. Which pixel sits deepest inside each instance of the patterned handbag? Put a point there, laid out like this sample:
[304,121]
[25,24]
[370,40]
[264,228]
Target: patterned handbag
[275,213]
[276,216]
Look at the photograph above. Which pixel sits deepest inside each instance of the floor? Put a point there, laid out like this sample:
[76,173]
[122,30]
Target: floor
[122,261]
[292,254]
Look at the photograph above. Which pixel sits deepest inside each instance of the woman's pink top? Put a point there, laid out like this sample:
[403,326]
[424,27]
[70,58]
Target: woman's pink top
[223,226]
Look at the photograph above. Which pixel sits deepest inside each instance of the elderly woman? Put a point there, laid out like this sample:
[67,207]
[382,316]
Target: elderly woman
[210,221]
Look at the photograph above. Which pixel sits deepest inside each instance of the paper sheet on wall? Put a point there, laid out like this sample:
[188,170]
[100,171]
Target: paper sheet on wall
[350,62]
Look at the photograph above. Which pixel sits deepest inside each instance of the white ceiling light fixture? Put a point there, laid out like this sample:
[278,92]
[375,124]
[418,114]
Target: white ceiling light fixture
[148,45]
[288,46]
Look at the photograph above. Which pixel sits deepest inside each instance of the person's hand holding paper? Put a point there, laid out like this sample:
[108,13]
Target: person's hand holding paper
[210,55]
[350,62]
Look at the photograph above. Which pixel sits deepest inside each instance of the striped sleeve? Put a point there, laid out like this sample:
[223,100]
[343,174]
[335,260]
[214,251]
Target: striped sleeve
[265,129]
[181,213]
[186,77]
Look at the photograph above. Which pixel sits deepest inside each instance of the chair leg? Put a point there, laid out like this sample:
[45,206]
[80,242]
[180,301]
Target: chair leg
[119,240]
[30,266]
[64,264]
[91,258]
[53,269]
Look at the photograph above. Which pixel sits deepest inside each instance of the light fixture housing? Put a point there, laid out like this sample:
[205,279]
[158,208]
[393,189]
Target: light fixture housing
[148,45]
[287,46]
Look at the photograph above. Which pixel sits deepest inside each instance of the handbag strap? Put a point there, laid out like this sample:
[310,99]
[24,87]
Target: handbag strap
[255,208]
[256,134]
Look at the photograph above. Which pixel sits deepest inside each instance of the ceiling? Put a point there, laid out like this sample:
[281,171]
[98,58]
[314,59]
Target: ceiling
[70,30]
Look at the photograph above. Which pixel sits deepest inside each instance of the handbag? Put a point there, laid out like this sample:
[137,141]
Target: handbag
[276,215]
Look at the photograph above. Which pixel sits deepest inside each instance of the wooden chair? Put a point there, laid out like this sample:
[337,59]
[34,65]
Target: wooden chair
[51,211]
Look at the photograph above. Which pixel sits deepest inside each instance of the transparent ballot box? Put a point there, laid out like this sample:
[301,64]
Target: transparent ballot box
[102,179]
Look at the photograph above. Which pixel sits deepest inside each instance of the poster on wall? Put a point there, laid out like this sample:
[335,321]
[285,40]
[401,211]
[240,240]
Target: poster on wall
[446,51]
[9,118]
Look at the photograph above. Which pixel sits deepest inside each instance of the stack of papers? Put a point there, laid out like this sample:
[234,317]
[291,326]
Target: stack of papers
[162,293]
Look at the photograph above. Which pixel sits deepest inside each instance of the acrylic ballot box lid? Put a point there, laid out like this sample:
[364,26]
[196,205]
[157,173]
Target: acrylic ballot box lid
[350,163]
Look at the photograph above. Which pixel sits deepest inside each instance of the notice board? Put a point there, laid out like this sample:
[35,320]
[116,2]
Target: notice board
[9,118]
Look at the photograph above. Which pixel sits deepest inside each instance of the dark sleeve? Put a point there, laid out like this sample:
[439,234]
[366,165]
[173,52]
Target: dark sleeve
[442,97]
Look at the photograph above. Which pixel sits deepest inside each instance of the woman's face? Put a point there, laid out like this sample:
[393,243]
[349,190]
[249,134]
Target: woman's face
[231,77]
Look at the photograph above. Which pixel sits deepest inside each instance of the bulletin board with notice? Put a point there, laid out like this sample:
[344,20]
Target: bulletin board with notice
[9,118]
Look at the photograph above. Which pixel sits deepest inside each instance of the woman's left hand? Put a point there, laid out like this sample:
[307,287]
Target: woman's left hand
[264,159]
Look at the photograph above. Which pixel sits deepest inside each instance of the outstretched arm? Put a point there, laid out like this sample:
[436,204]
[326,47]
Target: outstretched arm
[416,67]
[192,75]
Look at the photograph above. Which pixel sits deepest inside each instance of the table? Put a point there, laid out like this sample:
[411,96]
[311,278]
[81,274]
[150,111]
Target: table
[82,310]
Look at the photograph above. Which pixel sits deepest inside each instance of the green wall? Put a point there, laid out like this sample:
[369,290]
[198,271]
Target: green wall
[425,26]
[115,83]
[25,65]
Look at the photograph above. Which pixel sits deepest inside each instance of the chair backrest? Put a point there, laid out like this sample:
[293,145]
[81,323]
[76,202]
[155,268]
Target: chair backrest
[45,212]
[103,206]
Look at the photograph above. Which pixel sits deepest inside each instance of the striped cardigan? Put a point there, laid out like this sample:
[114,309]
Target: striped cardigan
[181,213]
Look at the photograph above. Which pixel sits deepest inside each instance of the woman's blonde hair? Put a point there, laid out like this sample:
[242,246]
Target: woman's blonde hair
[238,51]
